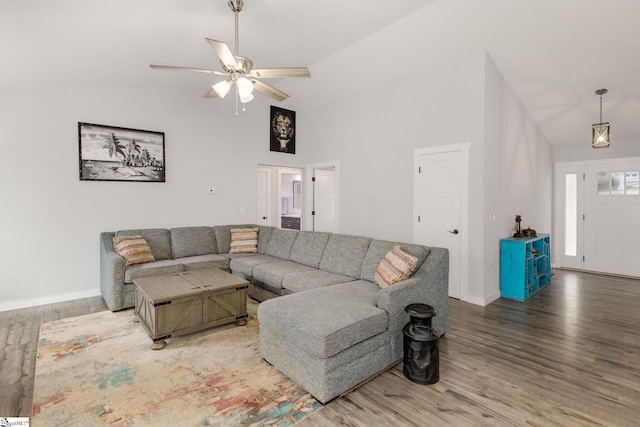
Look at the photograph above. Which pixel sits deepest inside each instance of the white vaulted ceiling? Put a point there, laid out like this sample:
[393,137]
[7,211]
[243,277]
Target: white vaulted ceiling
[554,53]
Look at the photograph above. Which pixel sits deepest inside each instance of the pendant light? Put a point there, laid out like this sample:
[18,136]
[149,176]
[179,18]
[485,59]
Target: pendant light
[600,131]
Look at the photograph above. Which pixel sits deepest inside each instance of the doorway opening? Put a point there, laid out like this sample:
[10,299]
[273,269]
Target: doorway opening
[279,196]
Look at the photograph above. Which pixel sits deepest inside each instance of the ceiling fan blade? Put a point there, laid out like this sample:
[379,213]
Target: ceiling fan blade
[269,90]
[224,53]
[211,94]
[199,70]
[272,73]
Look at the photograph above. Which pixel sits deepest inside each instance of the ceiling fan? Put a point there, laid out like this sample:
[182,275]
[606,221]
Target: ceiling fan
[239,70]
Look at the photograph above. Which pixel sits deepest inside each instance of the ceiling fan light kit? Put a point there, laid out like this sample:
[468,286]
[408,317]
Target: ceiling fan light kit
[600,131]
[239,70]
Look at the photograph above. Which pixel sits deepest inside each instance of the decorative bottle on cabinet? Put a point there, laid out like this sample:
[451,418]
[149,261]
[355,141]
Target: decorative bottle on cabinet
[525,266]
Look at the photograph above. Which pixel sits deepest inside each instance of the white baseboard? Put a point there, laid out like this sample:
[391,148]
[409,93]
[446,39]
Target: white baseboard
[32,302]
[482,301]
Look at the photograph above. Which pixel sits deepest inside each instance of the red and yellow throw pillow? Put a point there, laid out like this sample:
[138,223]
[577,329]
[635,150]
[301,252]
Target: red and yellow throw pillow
[134,249]
[244,241]
[396,265]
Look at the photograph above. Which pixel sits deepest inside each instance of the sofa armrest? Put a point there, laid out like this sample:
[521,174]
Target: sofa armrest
[111,273]
[429,285]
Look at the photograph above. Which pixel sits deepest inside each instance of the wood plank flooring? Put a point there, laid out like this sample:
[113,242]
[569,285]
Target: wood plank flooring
[568,356]
[19,331]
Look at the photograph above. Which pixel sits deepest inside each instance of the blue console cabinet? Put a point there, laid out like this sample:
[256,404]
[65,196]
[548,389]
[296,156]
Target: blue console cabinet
[525,266]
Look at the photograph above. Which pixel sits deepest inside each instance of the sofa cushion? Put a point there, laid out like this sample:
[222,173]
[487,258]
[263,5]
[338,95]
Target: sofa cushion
[344,254]
[305,280]
[244,241]
[264,234]
[272,273]
[192,241]
[379,248]
[396,265]
[243,266]
[326,321]
[134,249]
[204,261]
[280,243]
[309,247]
[167,266]
[159,240]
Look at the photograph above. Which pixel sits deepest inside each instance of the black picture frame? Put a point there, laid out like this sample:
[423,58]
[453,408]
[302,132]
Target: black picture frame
[282,130]
[112,153]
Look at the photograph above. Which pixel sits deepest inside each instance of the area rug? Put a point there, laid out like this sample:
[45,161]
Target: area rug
[99,369]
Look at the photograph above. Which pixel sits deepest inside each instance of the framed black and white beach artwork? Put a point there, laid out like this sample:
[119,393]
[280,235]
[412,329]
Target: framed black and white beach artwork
[283,130]
[111,153]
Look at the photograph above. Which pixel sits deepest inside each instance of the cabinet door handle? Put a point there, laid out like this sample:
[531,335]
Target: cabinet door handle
[454,231]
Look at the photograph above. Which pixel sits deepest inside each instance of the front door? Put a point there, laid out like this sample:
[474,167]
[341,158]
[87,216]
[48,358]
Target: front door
[612,218]
[597,211]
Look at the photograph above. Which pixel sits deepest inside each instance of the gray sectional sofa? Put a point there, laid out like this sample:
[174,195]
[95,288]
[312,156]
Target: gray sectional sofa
[324,322]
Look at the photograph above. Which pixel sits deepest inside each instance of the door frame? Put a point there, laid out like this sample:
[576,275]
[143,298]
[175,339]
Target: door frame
[463,149]
[267,170]
[307,207]
[579,166]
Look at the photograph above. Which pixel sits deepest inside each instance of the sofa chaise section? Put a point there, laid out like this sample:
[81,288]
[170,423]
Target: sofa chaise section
[331,338]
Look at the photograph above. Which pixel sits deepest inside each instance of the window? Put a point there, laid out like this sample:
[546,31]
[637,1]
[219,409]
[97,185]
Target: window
[618,183]
[570,215]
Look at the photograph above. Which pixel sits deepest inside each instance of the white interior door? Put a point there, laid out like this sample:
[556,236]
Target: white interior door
[324,215]
[612,218]
[264,180]
[440,193]
[321,208]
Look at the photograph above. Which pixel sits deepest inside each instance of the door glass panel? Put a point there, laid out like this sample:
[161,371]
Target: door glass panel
[617,183]
[632,183]
[571,213]
[604,183]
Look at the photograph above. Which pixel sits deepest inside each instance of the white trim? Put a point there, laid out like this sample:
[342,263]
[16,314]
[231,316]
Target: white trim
[463,148]
[32,302]
[620,160]
[308,193]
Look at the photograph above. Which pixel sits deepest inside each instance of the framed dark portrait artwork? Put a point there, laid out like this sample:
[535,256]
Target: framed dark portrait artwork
[111,153]
[282,130]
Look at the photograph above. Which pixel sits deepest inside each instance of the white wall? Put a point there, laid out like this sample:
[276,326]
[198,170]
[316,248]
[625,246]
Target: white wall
[374,134]
[52,220]
[518,171]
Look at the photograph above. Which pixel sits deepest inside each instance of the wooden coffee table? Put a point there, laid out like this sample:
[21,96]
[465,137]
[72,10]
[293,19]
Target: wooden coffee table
[181,303]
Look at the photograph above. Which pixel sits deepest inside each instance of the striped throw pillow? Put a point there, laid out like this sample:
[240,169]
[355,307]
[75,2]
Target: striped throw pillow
[244,241]
[134,249]
[396,265]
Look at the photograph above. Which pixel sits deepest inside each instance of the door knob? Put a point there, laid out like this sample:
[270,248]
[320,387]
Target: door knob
[264,217]
[454,231]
